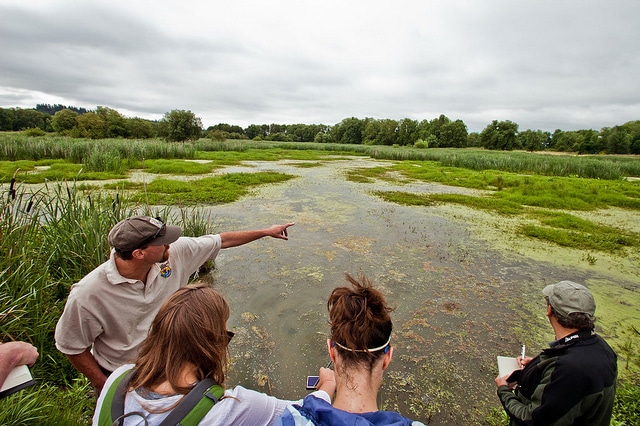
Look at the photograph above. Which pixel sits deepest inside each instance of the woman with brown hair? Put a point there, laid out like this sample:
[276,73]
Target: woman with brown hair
[360,348]
[187,345]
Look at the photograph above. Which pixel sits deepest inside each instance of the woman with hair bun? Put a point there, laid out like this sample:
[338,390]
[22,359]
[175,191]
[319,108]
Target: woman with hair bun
[360,348]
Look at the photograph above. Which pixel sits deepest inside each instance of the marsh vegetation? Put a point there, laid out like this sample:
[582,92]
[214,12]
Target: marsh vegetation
[457,211]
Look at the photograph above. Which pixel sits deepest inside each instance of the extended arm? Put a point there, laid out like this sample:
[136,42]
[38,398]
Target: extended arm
[238,238]
[13,354]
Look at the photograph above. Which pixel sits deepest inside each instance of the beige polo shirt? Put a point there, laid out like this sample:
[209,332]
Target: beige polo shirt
[113,313]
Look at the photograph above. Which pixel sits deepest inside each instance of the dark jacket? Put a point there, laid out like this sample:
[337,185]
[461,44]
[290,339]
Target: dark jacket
[571,383]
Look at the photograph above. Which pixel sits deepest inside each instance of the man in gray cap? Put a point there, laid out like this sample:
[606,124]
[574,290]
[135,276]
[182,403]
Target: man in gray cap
[573,382]
[109,311]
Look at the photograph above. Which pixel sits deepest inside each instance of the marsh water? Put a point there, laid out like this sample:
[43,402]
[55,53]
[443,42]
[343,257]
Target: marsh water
[457,299]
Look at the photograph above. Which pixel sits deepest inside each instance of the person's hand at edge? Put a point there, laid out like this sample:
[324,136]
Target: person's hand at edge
[327,381]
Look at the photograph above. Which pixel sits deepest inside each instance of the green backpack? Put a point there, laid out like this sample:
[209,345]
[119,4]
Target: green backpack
[189,412]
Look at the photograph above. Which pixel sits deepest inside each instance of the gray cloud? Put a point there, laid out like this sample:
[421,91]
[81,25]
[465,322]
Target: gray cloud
[544,64]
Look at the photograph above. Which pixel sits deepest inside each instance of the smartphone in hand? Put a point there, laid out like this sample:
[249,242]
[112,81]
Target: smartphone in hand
[312,382]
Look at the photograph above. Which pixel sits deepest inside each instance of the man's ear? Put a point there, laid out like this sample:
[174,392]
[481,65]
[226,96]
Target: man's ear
[549,310]
[137,254]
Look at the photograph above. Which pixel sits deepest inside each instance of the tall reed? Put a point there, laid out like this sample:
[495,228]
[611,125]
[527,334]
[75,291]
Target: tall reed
[49,239]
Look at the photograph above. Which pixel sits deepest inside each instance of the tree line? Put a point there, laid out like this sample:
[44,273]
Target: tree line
[440,132]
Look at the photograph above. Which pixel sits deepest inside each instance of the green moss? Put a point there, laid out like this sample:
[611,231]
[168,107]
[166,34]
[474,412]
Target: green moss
[406,198]
[178,167]
[212,190]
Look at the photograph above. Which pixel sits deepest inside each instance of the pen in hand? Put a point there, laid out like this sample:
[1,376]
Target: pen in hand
[328,365]
[522,357]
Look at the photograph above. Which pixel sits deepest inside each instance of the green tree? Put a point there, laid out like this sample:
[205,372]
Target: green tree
[7,119]
[435,128]
[533,140]
[474,139]
[304,132]
[349,131]
[90,125]
[139,128]
[407,132]
[116,126]
[30,118]
[255,131]
[64,121]
[180,125]
[424,130]
[500,135]
[616,140]
[634,146]
[590,142]
[453,134]
[381,132]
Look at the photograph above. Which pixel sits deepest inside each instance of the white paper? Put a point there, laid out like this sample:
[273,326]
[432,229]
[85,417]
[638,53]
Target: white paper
[506,365]
[16,377]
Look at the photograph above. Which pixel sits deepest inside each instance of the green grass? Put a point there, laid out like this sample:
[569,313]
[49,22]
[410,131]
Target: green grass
[49,239]
[567,230]
[515,194]
[578,240]
[42,405]
[495,205]
[52,237]
[178,167]
[626,408]
[211,190]
[405,198]
[483,203]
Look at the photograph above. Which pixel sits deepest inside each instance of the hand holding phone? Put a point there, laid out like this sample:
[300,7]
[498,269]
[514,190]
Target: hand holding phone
[312,381]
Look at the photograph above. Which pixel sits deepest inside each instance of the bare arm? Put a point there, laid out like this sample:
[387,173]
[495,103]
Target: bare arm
[87,365]
[327,381]
[13,354]
[238,238]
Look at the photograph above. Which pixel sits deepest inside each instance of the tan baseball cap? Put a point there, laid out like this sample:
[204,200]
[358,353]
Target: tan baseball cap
[138,231]
[567,297]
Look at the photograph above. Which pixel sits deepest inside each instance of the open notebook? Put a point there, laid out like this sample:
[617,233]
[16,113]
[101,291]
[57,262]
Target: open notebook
[19,378]
[509,366]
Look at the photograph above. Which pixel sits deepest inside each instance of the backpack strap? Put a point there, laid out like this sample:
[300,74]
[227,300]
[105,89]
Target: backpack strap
[189,412]
[113,403]
[195,405]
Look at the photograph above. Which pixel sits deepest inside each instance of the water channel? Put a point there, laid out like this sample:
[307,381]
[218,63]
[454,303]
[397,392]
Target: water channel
[457,299]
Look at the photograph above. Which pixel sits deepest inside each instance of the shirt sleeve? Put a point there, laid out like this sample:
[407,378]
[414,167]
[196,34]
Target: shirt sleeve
[241,406]
[76,329]
[190,253]
[552,399]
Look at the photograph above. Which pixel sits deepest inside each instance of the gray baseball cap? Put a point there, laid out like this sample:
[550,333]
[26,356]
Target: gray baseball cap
[138,231]
[567,297]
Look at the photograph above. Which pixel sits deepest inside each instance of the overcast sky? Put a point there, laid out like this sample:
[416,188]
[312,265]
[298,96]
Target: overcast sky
[544,64]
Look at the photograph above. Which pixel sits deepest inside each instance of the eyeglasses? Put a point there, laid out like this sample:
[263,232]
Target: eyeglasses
[158,233]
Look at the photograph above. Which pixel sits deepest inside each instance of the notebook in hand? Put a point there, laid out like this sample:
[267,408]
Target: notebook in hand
[19,378]
[509,366]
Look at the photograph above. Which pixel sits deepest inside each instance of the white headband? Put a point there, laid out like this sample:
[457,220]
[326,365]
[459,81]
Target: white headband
[365,350]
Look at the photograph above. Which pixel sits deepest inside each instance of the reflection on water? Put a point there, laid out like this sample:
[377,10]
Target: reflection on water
[452,293]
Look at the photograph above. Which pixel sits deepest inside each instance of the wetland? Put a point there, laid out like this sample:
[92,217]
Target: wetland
[464,288]
[461,252]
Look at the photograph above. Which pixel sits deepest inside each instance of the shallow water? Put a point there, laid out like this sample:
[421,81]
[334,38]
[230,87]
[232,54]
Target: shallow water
[457,298]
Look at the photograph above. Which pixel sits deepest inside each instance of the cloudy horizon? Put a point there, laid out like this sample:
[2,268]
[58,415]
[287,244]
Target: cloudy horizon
[543,65]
